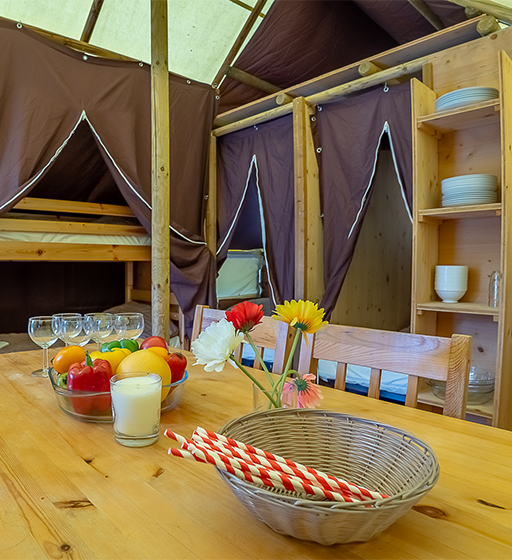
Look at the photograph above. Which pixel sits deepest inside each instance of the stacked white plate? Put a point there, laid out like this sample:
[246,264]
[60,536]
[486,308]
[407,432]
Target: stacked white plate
[465,96]
[478,188]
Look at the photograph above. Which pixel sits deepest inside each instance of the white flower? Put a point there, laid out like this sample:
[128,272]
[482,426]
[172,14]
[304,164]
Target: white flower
[214,346]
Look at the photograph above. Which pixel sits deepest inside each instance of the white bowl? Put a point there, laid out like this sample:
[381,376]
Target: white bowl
[450,296]
[458,285]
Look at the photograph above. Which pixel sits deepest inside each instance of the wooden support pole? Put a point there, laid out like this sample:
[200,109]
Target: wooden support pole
[427,13]
[246,6]
[367,68]
[308,223]
[211,206]
[248,79]
[284,98]
[260,4]
[471,12]
[80,46]
[160,171]
[487,25]
[92,18]
[330,95]
[500,9]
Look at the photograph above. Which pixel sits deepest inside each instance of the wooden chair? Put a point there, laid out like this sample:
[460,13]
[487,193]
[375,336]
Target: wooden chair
[416,355]
[271,334]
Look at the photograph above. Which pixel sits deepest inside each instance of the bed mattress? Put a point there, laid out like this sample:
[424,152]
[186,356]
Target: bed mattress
[141,240]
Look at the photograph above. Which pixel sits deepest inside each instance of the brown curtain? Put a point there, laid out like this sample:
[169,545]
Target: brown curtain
[261,158]
[348,136]
[47,91]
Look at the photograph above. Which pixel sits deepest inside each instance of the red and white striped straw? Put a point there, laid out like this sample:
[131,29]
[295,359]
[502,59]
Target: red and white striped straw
[291,483]
[251,458]
[261,475]
[324,479]
[201,457]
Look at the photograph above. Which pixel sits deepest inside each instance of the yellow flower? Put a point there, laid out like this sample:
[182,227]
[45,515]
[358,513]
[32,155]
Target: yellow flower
[302,315]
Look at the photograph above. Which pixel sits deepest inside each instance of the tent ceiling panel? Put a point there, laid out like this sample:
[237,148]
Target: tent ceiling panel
[201,32]
[65,17]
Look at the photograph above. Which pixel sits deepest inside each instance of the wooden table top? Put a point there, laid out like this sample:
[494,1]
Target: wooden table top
[68,490]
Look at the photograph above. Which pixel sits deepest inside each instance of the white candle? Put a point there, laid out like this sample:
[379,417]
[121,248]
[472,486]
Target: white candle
[136,402]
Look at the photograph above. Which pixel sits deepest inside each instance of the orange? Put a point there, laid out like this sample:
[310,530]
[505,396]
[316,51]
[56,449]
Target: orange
[162,352]
[147,361]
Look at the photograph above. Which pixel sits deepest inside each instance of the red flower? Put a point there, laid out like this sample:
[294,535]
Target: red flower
[245,316]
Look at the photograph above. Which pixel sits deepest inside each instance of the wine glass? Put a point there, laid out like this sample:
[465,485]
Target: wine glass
[129,325]
[75,330]
[41,332]
[101,325]
[72,329]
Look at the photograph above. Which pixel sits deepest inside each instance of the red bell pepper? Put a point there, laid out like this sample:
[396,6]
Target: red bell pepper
[91,377]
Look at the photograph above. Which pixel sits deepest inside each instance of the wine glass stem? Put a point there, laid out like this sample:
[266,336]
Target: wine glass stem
[45,360]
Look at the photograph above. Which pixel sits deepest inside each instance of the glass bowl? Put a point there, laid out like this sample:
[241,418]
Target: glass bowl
[96,407]
[173,398]
[478,393]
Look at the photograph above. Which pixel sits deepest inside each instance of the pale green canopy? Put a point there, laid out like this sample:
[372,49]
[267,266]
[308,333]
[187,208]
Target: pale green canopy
[201,32]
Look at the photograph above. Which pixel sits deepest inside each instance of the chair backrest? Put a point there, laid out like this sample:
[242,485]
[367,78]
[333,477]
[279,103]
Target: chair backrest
[416,355]
[271,334]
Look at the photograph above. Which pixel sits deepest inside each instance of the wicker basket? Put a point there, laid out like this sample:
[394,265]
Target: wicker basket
[366,453]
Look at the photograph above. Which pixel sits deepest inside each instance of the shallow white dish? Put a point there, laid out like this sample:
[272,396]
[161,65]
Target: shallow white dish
[465,96]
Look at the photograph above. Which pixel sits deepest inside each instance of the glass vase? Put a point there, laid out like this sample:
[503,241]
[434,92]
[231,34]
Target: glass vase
[274,398]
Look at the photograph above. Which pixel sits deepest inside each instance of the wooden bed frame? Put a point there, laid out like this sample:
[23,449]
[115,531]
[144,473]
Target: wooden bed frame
[42,251]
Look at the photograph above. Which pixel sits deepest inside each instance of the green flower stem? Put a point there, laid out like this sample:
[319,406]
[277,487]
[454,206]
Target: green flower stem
[255,381]
[281,381]
[260,358]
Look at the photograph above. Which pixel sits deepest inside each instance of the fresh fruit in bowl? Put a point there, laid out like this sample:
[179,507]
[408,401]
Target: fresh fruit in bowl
[150,362]
[153,341]
[178,363]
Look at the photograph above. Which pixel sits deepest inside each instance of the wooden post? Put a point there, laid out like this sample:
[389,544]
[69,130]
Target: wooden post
[160,165]
[308,223]
[260,4]
[211,206]
[92,18]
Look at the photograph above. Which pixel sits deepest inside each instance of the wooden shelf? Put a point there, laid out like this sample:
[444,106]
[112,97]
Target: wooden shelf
[460,212]
[461,307]
[461,118]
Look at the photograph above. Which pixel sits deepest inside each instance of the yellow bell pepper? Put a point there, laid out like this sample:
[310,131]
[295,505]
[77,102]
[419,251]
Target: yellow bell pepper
[114,357]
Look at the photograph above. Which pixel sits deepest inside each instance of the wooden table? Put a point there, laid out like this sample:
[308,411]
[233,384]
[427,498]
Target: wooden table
[68,490]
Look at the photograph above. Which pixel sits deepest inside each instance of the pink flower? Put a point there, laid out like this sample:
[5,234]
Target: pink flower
[245,316]
[308,393]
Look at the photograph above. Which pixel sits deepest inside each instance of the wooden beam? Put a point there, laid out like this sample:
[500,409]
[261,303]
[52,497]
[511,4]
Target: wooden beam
[80,46]
[463,32]
[248,79]
[92,18]
[487,25]
[427,13]
[246,6]
[330,95]
[249,24]
[500,9]
[160,171]
[72,207]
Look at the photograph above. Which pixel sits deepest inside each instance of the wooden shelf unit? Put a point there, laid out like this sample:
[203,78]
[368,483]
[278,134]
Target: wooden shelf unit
[467,140]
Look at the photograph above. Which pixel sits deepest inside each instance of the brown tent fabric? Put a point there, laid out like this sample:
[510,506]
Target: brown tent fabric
[348,135]
[47,91]
[301,39]
[261,158]
[404,23]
